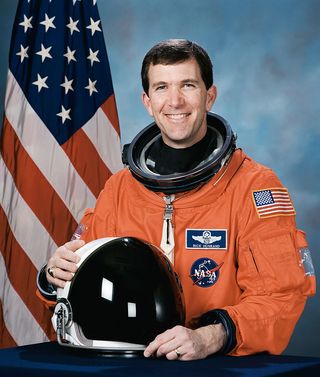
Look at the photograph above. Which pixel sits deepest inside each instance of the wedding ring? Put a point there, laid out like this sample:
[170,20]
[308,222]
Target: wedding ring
[51,271]
[177,353]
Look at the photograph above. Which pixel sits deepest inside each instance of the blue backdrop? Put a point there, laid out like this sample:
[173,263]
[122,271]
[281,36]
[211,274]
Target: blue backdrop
[266,58]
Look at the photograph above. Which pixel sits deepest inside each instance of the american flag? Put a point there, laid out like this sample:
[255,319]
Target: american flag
[60,141]
[273,202]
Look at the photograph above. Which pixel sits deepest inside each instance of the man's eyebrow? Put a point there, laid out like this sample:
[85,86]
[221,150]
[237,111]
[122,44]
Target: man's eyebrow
[158,83]
[192,81]
[185,81]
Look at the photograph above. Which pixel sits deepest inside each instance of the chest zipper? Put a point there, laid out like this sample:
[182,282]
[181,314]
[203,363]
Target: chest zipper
[167,240]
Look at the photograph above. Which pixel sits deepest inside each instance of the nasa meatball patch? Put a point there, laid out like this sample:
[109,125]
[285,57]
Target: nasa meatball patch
[206,239]
[205,272]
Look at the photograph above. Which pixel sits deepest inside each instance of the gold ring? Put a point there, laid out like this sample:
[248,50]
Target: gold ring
[177,353]
[51,270]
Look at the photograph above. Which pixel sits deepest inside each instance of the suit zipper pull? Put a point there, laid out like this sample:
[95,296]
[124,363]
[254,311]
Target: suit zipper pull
[167,240]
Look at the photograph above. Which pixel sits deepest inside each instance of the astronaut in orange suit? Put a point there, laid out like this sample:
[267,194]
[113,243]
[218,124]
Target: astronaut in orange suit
[226,222]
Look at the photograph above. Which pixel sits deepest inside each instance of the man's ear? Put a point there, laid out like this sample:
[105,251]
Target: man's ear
[147,103]
[211,97]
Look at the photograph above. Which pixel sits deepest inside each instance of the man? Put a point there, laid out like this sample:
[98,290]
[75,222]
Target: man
[226,222]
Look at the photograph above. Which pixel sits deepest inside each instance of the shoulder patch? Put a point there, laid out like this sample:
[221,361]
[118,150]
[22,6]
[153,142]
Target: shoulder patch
[273,202]
[81,228]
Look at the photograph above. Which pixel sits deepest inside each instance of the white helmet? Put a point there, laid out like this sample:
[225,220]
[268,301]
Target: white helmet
[124,293]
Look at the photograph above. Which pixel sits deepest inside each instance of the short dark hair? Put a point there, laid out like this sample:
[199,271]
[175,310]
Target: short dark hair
[172,51]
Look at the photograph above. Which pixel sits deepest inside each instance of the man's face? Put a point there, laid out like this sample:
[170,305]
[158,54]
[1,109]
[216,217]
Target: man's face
[178,100]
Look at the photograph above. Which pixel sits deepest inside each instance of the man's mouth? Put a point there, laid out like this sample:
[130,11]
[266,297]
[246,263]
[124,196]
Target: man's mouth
[177,116]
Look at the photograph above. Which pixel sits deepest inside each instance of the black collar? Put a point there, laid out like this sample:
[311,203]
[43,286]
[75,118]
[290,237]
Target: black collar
[162,159]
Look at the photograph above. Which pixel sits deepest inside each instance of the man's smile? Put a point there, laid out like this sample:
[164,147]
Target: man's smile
[177,116]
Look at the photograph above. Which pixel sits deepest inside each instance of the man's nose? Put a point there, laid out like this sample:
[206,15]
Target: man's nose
[175,98]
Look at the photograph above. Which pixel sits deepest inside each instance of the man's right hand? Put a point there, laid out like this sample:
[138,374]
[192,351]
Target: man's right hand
[63,263]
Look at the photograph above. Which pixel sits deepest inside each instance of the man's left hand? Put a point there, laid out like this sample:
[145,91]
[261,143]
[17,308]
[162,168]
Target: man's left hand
[181,343]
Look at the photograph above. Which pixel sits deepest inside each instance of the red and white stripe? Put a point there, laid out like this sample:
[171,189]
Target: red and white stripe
[44,190]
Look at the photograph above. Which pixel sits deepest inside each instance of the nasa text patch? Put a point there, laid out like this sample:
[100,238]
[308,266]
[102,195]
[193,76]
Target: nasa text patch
[205,272]
[206,239]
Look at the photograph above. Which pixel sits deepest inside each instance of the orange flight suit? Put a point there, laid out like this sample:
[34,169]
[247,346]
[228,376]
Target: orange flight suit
[230,251]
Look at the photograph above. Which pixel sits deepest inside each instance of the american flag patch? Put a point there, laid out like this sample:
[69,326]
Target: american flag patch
[273,202]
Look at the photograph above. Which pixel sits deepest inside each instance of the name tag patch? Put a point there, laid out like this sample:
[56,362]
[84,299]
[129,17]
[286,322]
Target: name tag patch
[206,239]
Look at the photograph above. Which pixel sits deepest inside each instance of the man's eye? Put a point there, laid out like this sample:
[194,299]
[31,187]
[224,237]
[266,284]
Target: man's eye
[160,87]
[189,85]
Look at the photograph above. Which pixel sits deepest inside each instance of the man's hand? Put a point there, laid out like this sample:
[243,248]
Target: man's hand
[181,343]
[63,263]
